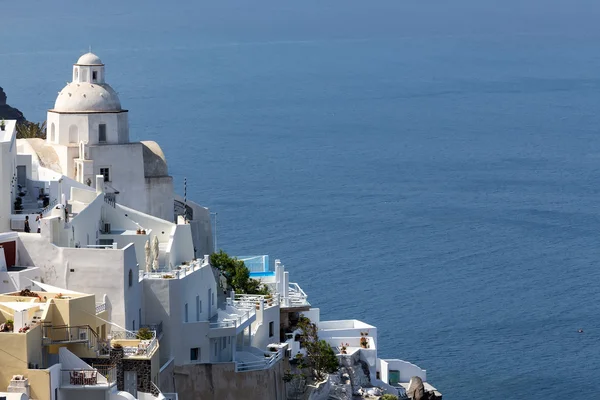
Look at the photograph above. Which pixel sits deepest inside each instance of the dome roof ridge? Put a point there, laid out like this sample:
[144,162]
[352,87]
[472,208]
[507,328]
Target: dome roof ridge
[89,59]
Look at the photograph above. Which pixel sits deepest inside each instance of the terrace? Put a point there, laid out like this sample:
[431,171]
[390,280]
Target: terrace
[253,359]
[99,377]
[137,344]
[237,315]
[249,301]
[296,298]
[64,334]
[179,272]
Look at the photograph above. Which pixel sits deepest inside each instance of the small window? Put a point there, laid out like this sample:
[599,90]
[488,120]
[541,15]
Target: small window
[212,300]
[130,278]
[76,73]
[102,133]
[195,354]
[271,328]
[94,76]
[186,313]
[105,172]
[223,342]
[197,308]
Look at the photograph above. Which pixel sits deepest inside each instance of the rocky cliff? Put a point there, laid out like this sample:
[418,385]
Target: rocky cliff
[8,112]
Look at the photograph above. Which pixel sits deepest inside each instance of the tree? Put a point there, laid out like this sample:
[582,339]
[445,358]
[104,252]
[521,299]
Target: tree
[237,274]
[30,130]
[296,384]
[388,397]
[320,357]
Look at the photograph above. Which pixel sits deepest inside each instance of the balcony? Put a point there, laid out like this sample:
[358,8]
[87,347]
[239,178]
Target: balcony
[249,301]
[231,321]
[253,359]
[99,377]
[179,272]
[100,307]
[296,297]
[68,335]
[133,345]
[158,328]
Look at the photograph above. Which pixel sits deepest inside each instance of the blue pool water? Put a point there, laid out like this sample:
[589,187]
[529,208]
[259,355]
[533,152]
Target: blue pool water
[257,275]
[428,167]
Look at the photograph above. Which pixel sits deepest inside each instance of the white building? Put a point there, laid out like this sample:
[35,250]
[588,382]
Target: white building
[113,227]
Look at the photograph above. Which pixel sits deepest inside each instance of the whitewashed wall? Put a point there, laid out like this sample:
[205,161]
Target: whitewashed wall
[165,301]
[94,271]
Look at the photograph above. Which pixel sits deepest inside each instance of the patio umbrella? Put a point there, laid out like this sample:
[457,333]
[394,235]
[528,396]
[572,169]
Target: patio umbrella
[155,253]
[148,256]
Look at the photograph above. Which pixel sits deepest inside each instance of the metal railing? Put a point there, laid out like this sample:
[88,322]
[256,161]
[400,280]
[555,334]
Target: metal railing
[99,375]
[100,307]
[69,334]
[49,207]
[158,328]
[110,199]
[268,362]
[144,348]
[128,335]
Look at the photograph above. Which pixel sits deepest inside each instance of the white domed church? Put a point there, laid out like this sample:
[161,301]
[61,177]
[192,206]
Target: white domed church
[88,130]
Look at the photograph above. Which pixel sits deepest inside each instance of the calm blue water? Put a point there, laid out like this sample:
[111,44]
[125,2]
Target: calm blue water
[429,168]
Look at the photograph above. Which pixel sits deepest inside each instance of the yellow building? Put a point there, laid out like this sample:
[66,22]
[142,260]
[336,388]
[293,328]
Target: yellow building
[54,344]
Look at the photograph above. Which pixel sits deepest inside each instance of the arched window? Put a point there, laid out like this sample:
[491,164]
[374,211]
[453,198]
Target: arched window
[73,134]
[76,74]
[130,278]
[52,132]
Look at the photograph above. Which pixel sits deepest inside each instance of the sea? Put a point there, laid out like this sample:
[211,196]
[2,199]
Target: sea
[429,167]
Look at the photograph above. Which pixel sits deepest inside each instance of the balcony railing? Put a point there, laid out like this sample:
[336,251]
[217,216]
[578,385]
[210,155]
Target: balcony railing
[128,335]
[100,307]
[158,328]
[233,320]
[180,272]
[139,347]
[268,362]
[296,297]
[250,301]
[99,375]
[69,335]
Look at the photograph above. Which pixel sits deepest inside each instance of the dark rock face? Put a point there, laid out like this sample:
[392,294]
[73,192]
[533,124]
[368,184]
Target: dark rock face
[8,112]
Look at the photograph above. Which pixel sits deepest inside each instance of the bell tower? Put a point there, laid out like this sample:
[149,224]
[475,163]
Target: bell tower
[88,69]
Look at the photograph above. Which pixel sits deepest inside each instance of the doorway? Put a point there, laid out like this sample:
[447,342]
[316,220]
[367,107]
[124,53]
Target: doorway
[131,382]
[22,175]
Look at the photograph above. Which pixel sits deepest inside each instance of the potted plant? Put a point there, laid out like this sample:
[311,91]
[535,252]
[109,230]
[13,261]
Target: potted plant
[2,125]
[343,348]
[364,342]
[138,231]
[144,334]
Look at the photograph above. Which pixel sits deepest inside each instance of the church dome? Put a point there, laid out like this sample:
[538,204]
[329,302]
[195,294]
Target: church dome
[87,97]
[89,59]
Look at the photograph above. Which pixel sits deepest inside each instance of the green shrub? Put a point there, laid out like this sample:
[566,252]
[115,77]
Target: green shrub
[144,334]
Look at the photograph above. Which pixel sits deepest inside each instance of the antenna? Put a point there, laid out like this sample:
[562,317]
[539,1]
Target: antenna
[90,48]
[185,199]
